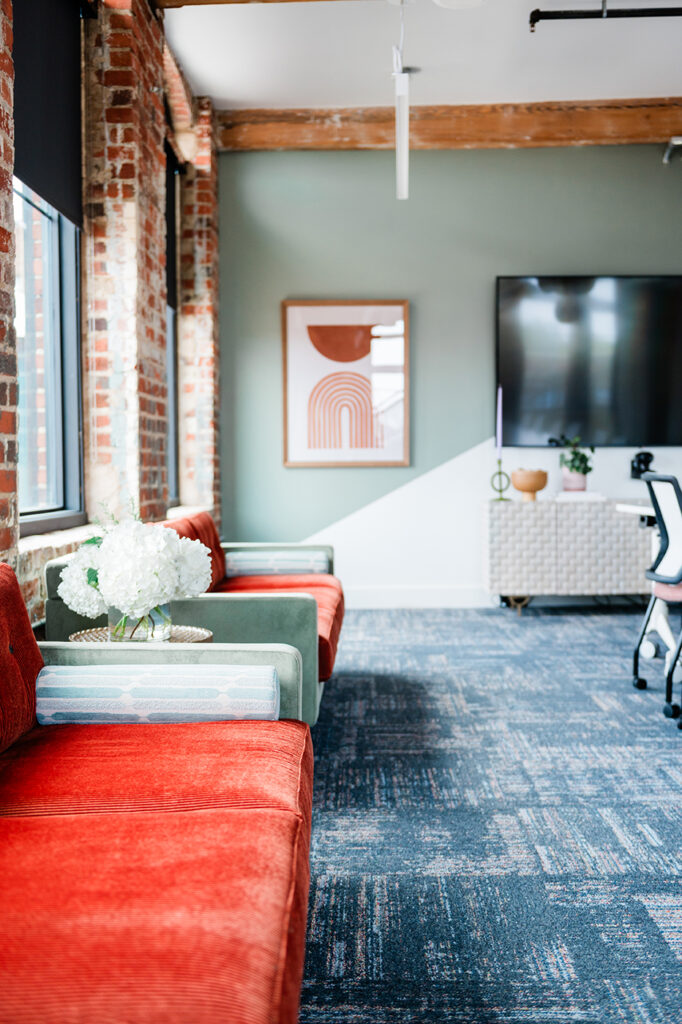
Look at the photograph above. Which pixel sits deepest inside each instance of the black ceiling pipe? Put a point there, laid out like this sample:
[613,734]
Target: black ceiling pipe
[604,13]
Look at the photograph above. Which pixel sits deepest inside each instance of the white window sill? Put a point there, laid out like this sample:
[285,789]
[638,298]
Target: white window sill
[63,539]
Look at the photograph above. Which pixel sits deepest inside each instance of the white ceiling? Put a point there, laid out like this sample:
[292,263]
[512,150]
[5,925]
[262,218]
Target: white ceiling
[338,54]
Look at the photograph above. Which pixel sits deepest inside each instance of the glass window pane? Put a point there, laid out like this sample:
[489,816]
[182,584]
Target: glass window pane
[38,351]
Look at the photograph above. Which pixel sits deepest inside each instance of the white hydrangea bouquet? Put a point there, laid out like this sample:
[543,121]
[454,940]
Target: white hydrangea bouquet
[131,572]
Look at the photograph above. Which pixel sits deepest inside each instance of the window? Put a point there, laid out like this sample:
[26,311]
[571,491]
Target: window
[48,342]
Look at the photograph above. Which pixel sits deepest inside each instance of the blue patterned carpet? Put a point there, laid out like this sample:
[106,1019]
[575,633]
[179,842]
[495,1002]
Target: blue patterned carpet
[497,828]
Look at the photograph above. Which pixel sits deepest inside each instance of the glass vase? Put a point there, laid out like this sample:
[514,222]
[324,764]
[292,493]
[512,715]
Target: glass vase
[152,627]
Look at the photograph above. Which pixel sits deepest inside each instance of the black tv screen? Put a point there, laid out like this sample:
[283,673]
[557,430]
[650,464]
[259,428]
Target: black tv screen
[598,357]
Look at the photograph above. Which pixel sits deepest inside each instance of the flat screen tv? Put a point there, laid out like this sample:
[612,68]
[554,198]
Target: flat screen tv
[599,357]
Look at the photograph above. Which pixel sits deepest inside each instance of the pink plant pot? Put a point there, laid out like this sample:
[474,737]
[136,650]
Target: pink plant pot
[574,481]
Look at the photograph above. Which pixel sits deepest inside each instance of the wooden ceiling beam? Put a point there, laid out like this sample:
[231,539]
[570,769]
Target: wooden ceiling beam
[483,126]
[167,4]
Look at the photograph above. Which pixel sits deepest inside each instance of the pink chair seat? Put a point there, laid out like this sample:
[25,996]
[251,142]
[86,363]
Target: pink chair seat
[668,591]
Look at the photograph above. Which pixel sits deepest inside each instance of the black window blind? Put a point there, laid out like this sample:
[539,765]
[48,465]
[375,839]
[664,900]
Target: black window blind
[172,171]
[47,101]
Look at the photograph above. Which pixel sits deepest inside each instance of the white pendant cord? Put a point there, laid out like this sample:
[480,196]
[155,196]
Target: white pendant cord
[401,43]
[401,81]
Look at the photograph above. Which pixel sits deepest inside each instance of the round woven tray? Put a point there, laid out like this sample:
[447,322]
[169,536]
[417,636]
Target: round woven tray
[179,635]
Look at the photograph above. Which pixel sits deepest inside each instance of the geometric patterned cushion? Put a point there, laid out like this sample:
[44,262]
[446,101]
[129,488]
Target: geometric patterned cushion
[257,562]
[156,693]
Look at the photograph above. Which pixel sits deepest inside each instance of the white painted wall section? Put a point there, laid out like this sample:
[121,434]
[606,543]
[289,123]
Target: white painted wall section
[421,546]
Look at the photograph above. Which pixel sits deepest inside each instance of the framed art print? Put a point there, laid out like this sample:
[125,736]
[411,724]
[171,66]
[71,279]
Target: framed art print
[346,383]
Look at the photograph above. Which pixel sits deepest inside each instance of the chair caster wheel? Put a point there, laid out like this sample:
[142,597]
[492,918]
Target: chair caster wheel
[648,649]
[639,683]
[671,710]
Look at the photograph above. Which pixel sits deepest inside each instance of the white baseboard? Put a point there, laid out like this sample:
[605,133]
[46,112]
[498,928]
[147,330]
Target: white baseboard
[417,597]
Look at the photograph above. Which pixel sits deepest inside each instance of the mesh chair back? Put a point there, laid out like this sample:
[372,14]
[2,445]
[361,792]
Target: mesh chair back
[666,497]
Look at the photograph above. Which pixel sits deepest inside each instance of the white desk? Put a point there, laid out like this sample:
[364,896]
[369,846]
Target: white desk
[643,511]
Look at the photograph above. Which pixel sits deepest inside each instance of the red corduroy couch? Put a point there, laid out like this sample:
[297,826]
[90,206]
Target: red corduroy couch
[149,874]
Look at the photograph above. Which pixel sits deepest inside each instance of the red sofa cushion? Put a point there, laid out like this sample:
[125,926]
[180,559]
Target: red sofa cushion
[200,526]
[328,594]
[20,662]
[155,874]
[149,918]
[77,769]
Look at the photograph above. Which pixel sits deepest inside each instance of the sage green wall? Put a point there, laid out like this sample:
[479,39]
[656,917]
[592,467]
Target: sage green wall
[326,225]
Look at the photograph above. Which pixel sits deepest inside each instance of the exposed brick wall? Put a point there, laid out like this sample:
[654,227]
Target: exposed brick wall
[124,338]
[182,107]
[9,513]
[34,552]
[124,290]
[198,353]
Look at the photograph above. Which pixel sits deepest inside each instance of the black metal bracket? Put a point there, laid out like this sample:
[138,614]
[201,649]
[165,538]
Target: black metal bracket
[640,464]
[89,8]
[605,13]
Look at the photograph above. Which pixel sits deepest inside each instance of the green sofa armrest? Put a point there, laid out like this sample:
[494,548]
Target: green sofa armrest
[60,621]
[286,660]
[52,574]
[327,549]
[261,618]
[249,618]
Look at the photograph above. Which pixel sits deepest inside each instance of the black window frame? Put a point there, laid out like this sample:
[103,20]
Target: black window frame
[66,380]
[172,406]
[173,172]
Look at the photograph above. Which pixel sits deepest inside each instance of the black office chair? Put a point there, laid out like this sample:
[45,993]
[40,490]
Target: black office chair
[666,573]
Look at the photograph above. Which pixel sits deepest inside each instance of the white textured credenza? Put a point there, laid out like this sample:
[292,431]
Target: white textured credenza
[563,547]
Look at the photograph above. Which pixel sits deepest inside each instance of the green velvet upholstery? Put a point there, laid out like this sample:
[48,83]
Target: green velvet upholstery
[234,619]
[262,618]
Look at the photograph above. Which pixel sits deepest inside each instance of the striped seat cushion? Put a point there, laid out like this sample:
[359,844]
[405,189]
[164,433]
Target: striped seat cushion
[156,693]
[260,562]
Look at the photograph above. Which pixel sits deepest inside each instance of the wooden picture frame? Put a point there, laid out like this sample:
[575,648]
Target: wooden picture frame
[346,383]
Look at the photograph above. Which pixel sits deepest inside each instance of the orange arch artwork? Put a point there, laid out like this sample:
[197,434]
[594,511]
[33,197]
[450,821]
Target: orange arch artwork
[344,343]
[334,395]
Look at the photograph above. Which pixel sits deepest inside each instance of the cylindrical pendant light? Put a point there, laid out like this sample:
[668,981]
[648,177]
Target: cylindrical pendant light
[402,134]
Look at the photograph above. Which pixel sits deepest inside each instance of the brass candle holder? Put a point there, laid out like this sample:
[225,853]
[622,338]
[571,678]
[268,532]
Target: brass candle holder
[500,482]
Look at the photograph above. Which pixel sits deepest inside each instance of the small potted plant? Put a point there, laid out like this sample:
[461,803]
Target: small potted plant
[575,463]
